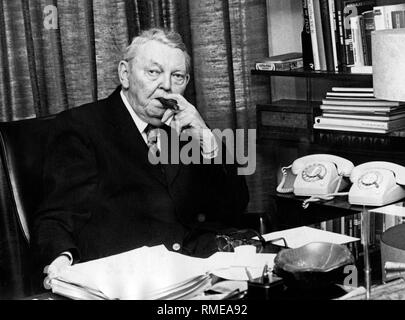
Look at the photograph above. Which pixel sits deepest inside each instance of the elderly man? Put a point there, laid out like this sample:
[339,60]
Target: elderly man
[104,196]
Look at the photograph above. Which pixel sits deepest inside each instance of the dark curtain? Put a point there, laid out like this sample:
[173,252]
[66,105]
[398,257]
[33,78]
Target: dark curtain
[46,70]
[227,38]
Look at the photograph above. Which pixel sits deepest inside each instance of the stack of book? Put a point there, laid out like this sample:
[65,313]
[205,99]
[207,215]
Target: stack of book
[356,109]
[282,62]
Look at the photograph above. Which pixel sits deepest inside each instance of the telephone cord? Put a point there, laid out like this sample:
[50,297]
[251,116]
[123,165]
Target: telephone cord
[280,188]
[327,197]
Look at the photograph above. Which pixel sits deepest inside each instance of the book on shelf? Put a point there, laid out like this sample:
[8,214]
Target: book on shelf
[361,69]
[358,53]
[326,34]
[389,125]
[352,89]
[306,42]
[334,34]
[343,94]
[351,9]
[319,34]
[361,102]
[340,34]
[342,225]
[348,128]
[348,98]
[376,117]
[282,62]
[367,28]
[313,30]
[398,19]
[280,66]
[359,109]
[389,16]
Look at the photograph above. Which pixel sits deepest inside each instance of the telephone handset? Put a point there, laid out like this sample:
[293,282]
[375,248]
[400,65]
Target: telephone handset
[317,175]
[377,183]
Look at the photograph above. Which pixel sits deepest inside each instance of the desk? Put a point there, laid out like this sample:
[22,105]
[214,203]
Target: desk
[351,228]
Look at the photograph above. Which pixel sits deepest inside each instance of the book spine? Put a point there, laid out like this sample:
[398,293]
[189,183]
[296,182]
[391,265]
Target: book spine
[352,123]
[342,225]
[371,117]
[306,42]
[336,227]
[369,27]
[365,103]
[379,18]
[314,40]
[282,66]
[319,35]
[358,59]
[363,40]
[351,9]
[326,33]
[334,34]
[340,30]
[398,19]
[387,18]
[347,34]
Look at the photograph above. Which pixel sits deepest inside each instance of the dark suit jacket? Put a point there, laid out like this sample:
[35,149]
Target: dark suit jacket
[104,197]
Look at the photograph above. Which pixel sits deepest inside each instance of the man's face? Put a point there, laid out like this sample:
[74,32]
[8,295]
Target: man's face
[157,70]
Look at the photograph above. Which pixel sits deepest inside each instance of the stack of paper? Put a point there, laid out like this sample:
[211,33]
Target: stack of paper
[150,273]
[300,236]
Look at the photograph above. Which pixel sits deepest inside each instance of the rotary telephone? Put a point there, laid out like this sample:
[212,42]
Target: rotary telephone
[377,183]
[319,176]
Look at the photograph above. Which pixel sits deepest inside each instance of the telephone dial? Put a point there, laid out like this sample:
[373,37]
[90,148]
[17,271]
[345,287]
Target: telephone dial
[319,176]
[377,183]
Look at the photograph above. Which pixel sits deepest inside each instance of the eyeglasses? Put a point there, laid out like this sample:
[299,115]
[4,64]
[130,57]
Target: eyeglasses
[228,242]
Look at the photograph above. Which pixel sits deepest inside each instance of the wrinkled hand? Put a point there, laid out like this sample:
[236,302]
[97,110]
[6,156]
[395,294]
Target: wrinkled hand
[187,119]
[54,269]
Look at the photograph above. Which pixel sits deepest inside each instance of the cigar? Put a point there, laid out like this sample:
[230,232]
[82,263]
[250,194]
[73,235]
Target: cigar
[169,103]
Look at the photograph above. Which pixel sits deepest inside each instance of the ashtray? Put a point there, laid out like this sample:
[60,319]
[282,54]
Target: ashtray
[314,265]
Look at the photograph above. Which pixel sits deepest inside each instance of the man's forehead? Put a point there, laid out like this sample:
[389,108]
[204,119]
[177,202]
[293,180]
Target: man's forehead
[154,52]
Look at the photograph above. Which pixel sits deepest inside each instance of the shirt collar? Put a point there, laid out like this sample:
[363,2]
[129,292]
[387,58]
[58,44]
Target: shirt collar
[140,124]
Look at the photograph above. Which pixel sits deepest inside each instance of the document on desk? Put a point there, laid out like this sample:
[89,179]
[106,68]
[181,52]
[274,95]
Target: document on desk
[297,237]
[150,273]
[396,209]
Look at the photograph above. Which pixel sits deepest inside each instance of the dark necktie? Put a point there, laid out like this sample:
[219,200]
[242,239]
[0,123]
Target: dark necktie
[152,136]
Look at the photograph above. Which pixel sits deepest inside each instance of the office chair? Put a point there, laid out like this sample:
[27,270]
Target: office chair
[22,148]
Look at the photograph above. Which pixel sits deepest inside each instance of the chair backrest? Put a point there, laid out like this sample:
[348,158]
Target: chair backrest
[22,151]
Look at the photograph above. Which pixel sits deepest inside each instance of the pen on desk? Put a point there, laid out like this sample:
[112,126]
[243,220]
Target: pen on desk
[235,295]
[266,274]
[249,274]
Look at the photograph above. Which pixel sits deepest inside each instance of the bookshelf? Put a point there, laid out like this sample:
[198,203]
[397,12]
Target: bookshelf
[295,95]
[285,125]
